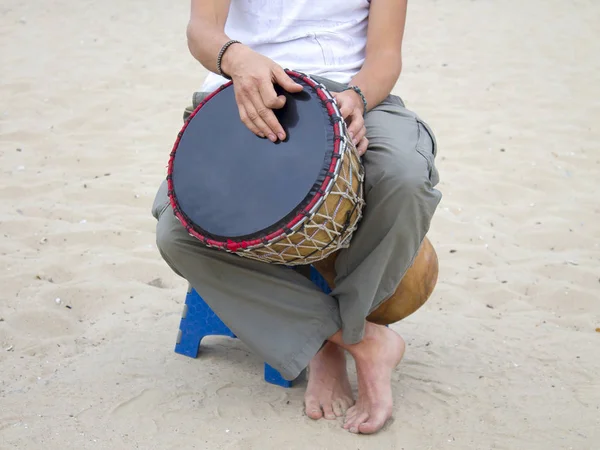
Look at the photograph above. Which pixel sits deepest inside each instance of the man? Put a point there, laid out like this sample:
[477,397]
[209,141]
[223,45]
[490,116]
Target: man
[353,47]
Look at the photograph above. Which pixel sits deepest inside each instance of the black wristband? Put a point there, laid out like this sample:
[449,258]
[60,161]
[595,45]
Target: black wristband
[359,92]
[220,57]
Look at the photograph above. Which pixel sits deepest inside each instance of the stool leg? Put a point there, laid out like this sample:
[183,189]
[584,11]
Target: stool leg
[197,322]
[274,377]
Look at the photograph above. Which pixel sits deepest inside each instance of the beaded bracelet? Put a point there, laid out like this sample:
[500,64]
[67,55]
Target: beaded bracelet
[220,57]
[359,92]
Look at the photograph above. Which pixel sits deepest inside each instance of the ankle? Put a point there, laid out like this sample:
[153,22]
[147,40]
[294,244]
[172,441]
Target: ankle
[330,352]
[331,347]
[373,336]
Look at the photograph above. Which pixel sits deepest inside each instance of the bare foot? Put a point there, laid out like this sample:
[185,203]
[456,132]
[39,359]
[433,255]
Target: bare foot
[328,393]
[376,356]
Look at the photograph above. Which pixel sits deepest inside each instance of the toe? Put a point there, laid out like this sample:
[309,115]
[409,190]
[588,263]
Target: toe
[314,414]
[374,423]
[313,408]
[338,409]
[353,427]
[350,415]
[328,412]
[346,403]
[350,412]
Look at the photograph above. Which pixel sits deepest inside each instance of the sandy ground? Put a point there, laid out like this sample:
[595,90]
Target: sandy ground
[505,355]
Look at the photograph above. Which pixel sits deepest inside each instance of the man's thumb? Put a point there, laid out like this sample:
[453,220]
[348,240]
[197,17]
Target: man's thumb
[284,80]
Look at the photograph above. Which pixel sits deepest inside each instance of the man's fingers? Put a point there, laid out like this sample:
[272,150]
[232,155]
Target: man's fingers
[344,107]
[362,146]
[255,114]
[274,102]
[361,134]
[249,123]
[269,96]
[255,117]
[345,110]
[248,94]
[357,123]
[267,116]
[284,80]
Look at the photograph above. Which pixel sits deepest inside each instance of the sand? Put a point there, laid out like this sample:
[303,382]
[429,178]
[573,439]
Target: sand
[505,355]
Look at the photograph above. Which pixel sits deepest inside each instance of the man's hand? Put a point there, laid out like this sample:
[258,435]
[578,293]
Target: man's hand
[253,77]
[351,108]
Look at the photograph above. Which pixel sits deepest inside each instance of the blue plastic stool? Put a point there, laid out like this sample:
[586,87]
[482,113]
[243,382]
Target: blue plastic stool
[199,321]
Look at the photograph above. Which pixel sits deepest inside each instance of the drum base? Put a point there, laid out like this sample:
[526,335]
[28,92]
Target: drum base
[414,290]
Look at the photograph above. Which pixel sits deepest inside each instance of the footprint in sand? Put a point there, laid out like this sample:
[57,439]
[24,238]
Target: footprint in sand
[156,402]
[236,401]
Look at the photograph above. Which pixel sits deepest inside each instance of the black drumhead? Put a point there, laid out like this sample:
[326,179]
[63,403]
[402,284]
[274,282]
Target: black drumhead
[232,184]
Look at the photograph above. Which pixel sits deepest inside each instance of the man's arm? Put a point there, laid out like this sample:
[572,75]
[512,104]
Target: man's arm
[383,62]
[253,74]
[206,30]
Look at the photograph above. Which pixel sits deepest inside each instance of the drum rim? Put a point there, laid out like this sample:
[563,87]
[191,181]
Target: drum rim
[300,214]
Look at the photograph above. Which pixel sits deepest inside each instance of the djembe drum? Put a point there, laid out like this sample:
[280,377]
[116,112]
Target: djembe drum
[292,202]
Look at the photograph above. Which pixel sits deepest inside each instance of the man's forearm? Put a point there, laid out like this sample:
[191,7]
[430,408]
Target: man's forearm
[205,44]
[206,31]
[383,61]
[378,77]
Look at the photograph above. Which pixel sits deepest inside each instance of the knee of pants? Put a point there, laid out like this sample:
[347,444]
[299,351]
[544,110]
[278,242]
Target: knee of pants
[166,236]
[405,184]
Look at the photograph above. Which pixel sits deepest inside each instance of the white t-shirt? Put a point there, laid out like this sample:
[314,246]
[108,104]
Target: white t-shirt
[317,37]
